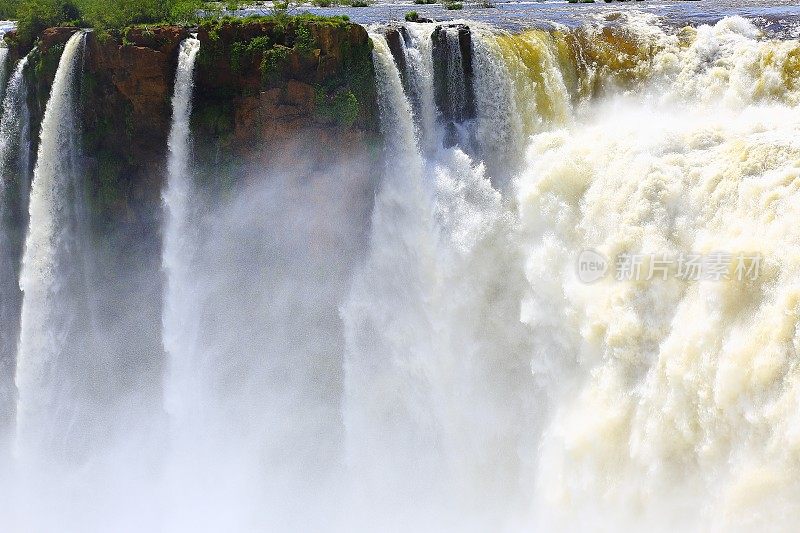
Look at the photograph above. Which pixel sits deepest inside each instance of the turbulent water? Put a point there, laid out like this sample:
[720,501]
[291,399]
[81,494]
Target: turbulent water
[179,337]
[14,132]
[429,349]
[48,367]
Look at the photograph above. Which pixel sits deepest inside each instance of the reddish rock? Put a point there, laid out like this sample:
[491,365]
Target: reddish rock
[164,39]
[55,37]
[134,83]
[300,94]
[238,114]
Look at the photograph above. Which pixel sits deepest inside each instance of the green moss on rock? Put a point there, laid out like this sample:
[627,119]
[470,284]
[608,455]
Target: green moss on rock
[244,56]
[341,108]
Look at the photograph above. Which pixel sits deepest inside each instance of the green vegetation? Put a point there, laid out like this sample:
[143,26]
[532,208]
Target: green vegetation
[292,36]
[212,24]
[45,65]
[216,119]
[241,52]
[273,64]
[303,40]
[453,5]
[33,16]
[341,108]
[289,32]
[412,16]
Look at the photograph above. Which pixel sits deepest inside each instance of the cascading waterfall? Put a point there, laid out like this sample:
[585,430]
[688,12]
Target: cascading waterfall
[3,60]
[248,272]
[184,386]
[418,351]
[419,62]
[415,351]
[603,357]
[679,388]
[455,99]
[15,129]
[402,197]
[14,140]
[179,328]
[48,369]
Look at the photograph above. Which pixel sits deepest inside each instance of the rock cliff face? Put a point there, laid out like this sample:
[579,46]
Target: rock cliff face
[258,85]
[261,84]
[297,94]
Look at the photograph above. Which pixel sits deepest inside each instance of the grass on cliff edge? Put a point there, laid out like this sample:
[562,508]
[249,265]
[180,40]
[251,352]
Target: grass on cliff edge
[33,16]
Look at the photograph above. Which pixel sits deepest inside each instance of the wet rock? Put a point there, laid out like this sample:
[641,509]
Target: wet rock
[465,45]
[126,90]
[396,41]
[453,72]
[164,39]
[257,84]
[55,37]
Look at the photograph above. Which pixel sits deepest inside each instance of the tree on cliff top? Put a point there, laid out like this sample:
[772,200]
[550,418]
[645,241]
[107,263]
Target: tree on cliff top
[35,15]
[121,13]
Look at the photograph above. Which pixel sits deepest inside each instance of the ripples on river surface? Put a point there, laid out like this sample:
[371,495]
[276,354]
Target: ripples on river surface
[779,19]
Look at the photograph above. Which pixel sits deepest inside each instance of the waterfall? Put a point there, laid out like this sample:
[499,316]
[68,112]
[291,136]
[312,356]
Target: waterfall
[669,391]
[179,335]
[401,255]
[3,60]
[403,338]
[609,363]
[253,339]
[13,193]
[419,63]
[48,370]
[15,124]
[439,241]
[498,124]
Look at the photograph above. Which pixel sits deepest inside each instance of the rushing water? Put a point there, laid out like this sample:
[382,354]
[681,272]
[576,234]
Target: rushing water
[779,18]
[14,145]
[48,370]
[179,335]
[416,350]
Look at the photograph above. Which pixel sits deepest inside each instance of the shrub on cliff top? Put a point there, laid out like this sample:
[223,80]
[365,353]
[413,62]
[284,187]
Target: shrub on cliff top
[8,9]
[35,15]
[341,108]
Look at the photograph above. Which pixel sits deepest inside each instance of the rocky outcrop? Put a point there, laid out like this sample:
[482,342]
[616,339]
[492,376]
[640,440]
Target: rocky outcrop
[263,78]
[260,83]
[397,39]
[257,83]
[296,96]
[453,74]
[127,84]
